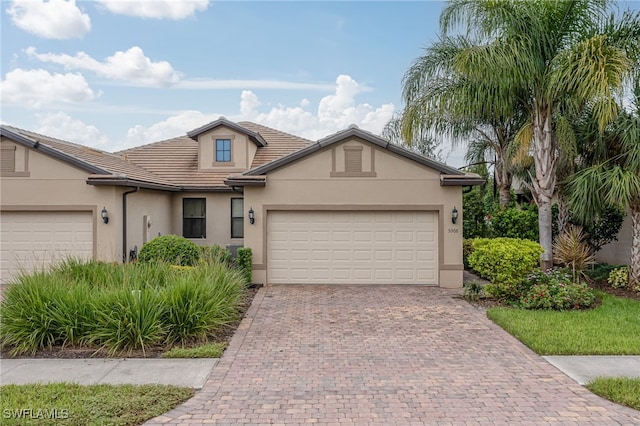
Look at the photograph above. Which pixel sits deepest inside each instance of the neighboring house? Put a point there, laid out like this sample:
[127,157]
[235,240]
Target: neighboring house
[350,208]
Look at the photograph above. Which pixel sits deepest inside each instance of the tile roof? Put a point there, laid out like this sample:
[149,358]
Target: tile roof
[176,159]
[100,163]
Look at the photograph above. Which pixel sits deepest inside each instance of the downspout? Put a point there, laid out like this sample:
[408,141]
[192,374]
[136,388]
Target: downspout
[124,222]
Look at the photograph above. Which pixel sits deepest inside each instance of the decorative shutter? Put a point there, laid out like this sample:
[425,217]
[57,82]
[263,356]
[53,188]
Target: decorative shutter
[8,160]
[352,160]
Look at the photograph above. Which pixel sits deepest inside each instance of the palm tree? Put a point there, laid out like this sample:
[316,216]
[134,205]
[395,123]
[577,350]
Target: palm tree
[557,55]
[442,100]
[422,143]
[613,174]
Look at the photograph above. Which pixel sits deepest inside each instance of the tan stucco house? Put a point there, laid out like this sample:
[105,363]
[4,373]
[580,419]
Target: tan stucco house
[349,208]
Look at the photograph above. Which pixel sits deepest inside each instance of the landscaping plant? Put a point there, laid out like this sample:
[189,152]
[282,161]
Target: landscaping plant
[170,249]
[244,262]
[619,277]
[505,262]
[571,250]
[118,307]
[516,223]
[554,289]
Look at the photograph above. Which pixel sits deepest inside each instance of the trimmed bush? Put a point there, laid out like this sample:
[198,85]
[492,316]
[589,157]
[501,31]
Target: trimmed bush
[619,277]
[170,249]
[244,262]
[505,262]
[516,223]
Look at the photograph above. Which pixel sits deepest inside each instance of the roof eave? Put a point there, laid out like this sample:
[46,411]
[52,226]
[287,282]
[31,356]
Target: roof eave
[464,180]
[125,181]
[237,181]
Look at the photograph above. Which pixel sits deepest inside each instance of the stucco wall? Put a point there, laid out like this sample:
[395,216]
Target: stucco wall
[218,211]
[399,184]
[55,185]
[156,206]
[619,252]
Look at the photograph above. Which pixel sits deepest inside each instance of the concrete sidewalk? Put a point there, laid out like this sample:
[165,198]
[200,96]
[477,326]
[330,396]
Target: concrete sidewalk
[584,369]
[191,373]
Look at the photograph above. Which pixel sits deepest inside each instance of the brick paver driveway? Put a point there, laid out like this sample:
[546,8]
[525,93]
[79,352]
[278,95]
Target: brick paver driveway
[383,355]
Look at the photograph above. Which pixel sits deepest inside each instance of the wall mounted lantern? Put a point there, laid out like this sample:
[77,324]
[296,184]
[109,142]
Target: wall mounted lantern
[454,215]
[104,215]
[252,218]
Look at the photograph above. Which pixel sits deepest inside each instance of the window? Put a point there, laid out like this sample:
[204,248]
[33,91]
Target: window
[237,218]
[194,217]
[8,160]
[223,150]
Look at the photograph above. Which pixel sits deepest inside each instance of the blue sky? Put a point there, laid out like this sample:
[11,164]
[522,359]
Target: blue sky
[114,74]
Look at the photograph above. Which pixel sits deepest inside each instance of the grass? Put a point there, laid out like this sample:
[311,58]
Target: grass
[610,329]
[208,350]
[619,390]
[72,404]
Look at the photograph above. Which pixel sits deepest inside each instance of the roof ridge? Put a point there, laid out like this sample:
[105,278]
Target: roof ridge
[151,144]
[240,123]
[28,133]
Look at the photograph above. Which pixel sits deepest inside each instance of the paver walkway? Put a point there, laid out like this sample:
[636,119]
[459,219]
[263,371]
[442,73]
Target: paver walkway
[383,355]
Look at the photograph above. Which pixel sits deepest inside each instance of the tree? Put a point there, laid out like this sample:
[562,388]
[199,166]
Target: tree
[558,55]
[440,99]
[613,173]
[421,143]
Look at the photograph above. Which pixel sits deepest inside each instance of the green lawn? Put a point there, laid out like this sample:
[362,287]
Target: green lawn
[610,329]
[72,404]
[620,390]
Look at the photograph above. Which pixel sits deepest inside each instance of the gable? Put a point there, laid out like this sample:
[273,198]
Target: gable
[351,159]
[225,149]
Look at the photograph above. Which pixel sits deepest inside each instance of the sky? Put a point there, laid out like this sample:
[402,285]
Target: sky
[113,74]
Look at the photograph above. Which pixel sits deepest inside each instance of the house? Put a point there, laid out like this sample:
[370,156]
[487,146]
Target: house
[349,208]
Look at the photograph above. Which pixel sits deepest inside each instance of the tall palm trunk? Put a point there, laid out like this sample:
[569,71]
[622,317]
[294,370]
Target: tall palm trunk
[544,182]
[634,269]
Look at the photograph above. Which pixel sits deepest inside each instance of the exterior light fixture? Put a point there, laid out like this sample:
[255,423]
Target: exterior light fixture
[104,215]
[252,218]
[454,215]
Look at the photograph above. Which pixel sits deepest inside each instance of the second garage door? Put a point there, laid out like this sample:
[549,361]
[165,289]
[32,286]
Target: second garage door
[35,240]
[347,247]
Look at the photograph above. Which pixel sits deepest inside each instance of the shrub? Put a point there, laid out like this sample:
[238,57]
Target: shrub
[200,301]
[170,249]
[600,271]
[137,306]
[555,290]
[467,249]
[571,250]
[505,262]
[516,223]
[473,291]
[244,260]
[216,254]
[128,319]
[619,277]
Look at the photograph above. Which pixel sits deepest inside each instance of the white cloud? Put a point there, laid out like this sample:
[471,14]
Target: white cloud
[335,112]
[62,126]
[131,66]
[156,9]
[176,125]
[36,88]
[56,19]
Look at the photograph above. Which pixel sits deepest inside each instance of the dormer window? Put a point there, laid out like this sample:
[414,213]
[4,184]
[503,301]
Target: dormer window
[223,150]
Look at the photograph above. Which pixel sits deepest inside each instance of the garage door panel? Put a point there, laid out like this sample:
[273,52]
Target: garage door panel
[352,247]
[35,240]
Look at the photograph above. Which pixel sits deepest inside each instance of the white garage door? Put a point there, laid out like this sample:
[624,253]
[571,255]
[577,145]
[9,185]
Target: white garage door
[34,240]
[343,247]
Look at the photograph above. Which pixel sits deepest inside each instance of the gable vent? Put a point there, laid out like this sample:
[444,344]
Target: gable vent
[353,159]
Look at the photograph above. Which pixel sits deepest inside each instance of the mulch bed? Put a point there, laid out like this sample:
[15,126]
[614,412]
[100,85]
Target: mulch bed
[223,335]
